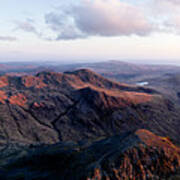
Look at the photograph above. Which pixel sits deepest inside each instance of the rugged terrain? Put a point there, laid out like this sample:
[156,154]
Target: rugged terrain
[169,85]
[138,155]
[52,107]
[79,124]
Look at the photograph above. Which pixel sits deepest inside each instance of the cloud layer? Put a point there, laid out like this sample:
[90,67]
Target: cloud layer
[27,26]
[98,18]
[107,18]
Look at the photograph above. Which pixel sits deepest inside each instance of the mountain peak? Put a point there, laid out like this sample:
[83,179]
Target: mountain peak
[79,71]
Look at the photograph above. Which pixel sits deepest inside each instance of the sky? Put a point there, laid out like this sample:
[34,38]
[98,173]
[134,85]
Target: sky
[90,30]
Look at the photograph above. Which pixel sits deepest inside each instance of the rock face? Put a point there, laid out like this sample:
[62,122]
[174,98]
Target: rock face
[79,125]
[80,105]
[138,155]
[141,155]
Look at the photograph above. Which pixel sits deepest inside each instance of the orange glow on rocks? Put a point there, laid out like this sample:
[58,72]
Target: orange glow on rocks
[32,81]
[18,99]
[109,94]
[4,81]
[117,98]
[3,97]
[136,97]
[150,155]
[38,105]
[97,175]
[153,140]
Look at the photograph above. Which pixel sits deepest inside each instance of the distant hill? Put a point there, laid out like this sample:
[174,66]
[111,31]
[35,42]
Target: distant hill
[117,70]
[123,71]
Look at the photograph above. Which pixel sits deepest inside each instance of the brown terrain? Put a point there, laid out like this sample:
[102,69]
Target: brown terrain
[80,125]
[135,155]
[52,107]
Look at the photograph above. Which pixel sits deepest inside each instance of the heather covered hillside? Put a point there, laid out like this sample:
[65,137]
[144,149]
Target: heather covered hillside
[80,125]
[51,107]
[133,155]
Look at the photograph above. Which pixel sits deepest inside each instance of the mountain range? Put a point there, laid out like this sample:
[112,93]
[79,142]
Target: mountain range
[81,125]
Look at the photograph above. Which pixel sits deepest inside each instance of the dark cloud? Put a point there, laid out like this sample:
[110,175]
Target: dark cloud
[98,18]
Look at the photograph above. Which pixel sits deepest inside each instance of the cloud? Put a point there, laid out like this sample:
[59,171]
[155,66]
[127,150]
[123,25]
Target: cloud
[63,26]
[168,15]
[177,2]
[27,26]
[166,5]
[107,18]
[98,18]
[7,38]
[173,24]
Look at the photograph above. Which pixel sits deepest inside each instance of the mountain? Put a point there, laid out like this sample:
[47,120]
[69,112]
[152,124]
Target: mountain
[52,107]
[152,76]
[117,70]
[169,85]
[134,155]
[162,78]
[158,77]
[130,73]
[21,68]
[80,125]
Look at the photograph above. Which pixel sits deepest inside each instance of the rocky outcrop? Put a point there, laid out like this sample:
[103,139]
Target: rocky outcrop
[139,155]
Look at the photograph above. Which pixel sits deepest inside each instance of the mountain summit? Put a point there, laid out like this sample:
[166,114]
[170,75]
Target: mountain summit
[80,125]
[51,107]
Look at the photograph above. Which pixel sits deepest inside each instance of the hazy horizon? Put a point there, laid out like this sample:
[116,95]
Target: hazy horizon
[69,62]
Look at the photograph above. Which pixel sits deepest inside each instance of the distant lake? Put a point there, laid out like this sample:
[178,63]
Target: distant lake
[145,83]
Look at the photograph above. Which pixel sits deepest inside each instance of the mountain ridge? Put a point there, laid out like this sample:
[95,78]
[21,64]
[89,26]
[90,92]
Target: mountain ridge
[50,106]
[134,155]
[80,125]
